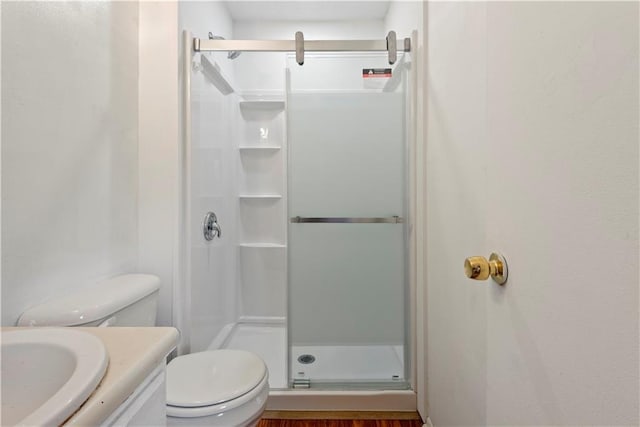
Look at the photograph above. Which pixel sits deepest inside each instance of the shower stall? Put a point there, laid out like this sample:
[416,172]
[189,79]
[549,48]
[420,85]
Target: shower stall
[306,259]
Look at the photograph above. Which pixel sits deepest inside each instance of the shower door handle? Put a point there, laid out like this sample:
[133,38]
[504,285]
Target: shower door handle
[347,220]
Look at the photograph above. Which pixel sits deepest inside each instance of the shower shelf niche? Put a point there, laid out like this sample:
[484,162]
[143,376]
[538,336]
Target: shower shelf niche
[261,201]
[262,122]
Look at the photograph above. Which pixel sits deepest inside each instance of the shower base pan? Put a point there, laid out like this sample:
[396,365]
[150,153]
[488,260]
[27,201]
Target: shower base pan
[345,378]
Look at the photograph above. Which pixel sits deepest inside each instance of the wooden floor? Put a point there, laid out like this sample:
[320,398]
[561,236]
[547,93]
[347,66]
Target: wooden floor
[340,423]
[340,419]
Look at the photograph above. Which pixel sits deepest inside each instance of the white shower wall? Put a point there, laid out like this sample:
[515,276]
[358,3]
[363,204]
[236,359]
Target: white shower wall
[241,276]
[210,295]
[213,263]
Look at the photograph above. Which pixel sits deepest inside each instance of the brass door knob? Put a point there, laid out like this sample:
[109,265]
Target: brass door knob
[478,268]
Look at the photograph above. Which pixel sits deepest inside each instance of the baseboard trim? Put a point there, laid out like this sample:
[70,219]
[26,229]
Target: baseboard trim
[340,401]
[340,415]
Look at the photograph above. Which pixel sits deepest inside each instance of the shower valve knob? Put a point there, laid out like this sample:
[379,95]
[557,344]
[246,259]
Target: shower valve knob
[478,268]
[211,228]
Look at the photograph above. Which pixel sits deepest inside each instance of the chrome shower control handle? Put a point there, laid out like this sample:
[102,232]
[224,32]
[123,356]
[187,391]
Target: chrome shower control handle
[211,228]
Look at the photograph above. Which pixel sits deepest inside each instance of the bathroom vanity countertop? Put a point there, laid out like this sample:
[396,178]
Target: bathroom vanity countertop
[133,354]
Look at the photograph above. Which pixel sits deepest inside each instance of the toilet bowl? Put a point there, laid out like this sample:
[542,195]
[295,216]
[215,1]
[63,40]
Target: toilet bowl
[216,388]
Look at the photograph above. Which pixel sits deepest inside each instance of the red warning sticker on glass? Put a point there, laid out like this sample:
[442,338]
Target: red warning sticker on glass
[368,73]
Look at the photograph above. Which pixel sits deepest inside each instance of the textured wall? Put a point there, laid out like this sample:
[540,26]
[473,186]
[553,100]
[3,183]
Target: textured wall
[532,147]
[69,147]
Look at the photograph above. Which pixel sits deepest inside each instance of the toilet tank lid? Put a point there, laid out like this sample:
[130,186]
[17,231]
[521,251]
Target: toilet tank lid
[93,303]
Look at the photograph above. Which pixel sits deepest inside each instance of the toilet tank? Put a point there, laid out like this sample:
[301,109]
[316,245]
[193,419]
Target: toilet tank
[125,300]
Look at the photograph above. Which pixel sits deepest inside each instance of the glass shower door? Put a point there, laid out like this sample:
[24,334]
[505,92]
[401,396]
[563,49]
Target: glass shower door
[347,232]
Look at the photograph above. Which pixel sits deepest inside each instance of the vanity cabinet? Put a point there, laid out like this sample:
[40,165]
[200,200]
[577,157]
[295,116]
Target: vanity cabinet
[146,406]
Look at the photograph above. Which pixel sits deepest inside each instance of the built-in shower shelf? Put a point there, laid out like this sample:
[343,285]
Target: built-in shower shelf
[260,196]
[262,245]
[259,148]
[262,104]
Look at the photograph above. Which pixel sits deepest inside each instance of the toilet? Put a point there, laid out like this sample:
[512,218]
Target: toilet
[213,388]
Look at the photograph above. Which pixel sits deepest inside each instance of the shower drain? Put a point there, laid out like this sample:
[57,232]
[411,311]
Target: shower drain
[306,359]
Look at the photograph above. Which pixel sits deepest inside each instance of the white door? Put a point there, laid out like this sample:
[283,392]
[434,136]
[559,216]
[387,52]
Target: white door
[532,151]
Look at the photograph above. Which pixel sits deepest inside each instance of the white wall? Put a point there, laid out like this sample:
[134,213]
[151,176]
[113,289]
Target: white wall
[202,17]
[456,162]
[69,147]
[532,148]
[0,164]
[403,17]
[158,149]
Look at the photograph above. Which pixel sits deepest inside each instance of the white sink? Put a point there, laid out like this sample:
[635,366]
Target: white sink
[48,373]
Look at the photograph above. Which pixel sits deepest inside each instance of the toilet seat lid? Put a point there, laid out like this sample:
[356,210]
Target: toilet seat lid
[212,377]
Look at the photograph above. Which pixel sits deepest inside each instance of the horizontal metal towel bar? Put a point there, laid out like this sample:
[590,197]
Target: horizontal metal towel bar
[347,220]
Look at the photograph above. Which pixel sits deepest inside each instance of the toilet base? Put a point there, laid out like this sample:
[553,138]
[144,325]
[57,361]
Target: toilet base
[216,420]
[247,415]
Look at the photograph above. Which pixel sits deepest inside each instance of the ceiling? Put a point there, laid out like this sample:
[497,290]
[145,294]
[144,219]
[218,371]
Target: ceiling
[307,10]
